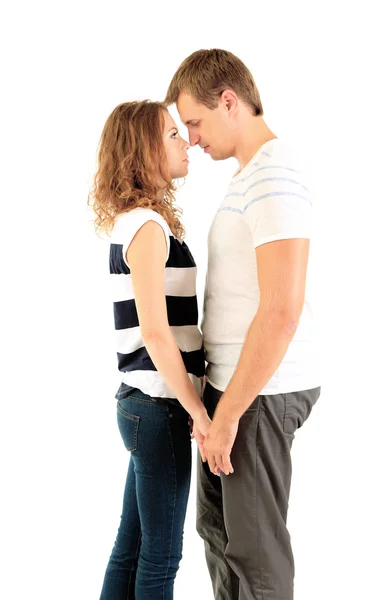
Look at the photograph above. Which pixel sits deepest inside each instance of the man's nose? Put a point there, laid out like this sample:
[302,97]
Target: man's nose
[193,138]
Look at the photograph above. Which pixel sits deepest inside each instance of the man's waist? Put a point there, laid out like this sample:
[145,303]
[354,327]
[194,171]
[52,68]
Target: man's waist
[227,353]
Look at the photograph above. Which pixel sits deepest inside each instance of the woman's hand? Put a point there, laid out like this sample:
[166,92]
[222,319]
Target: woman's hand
[200,427]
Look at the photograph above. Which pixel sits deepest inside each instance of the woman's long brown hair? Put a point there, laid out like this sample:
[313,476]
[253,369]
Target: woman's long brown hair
[131,163]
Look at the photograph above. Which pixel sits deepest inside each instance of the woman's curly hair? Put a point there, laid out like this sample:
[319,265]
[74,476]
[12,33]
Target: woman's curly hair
[131,164]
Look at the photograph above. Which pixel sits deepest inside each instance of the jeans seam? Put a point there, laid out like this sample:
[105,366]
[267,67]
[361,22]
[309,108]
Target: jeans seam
[137,399]
[131,417]
[257,510]
[135,556]
[173,510]
[136,427]
[135,420]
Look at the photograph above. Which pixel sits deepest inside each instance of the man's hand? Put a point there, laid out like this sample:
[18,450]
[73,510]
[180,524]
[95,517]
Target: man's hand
[218,445]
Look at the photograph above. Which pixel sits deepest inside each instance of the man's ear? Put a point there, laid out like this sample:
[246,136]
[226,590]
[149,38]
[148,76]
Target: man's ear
[229,100]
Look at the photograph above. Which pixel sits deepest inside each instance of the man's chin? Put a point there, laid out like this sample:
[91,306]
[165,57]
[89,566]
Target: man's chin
[214,156]
[219,155]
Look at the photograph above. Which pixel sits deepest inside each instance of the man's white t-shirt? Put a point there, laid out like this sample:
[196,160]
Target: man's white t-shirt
[267,200]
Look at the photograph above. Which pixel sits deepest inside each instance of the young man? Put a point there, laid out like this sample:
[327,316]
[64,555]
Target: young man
[259,332]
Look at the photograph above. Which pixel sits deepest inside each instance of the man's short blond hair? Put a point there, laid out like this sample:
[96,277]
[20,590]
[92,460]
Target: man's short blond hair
[205,74]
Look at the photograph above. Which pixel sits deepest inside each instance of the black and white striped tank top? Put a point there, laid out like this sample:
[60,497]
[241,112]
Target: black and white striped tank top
[134,361]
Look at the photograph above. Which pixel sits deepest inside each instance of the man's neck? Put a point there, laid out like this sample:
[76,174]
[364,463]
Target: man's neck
[255,134]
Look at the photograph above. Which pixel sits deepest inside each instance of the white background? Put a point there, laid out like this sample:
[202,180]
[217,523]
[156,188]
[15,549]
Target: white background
[65,67]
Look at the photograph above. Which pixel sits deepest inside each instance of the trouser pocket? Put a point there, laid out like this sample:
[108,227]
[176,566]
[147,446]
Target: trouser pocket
[128,426]
[297,408]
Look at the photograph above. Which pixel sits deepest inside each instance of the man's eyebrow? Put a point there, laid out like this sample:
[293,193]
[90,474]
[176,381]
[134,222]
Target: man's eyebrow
[190,121]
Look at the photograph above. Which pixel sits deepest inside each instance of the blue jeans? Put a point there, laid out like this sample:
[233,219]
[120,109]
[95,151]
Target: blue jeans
[148,548]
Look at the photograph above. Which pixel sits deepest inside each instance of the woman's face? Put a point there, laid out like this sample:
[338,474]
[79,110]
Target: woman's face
[176,148]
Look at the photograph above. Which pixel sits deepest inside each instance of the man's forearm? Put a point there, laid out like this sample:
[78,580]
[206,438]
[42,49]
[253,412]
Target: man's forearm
[267,341]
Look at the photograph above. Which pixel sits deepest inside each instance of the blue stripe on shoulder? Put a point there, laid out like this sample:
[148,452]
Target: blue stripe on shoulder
[286,179]
[270,194]
[243,179]
[275,179]
[231,208]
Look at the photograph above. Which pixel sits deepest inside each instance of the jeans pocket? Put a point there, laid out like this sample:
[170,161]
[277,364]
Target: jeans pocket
[128,426]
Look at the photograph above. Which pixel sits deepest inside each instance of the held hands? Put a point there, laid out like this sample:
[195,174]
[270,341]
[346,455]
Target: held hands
[218,445]
[215,441]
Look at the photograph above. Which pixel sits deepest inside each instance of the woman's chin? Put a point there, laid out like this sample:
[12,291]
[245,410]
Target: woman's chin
[181,173]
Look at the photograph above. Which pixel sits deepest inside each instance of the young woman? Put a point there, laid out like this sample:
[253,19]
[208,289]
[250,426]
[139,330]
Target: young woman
[159,345]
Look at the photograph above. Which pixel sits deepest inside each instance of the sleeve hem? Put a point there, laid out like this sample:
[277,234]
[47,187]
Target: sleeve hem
[282,236]
[138,226]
